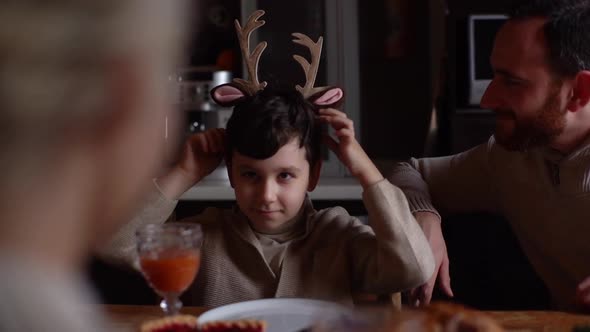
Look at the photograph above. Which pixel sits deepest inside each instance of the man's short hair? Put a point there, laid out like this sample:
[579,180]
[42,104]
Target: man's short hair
[566,30]
[261,124]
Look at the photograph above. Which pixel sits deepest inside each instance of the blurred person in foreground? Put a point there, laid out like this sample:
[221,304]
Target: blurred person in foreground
[82,88]
[535,170]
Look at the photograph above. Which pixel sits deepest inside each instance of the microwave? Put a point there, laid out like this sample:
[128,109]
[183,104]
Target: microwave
[481,32]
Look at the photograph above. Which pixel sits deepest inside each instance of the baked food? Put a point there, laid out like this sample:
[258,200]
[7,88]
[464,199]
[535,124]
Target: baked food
[187,323]
[234,326]
[177,323]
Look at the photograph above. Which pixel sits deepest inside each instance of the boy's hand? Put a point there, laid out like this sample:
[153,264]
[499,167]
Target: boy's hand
[201,154]
[348,149]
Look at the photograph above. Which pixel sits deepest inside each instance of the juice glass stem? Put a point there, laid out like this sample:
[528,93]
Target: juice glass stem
[171,304]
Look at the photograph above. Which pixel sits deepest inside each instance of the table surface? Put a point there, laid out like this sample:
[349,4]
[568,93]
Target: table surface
[131,316]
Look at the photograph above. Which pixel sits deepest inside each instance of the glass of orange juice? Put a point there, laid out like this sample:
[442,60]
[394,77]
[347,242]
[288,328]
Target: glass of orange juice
[169,257]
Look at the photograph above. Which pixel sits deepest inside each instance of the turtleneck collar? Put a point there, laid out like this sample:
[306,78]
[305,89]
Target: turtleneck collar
[553,155]
[296,227]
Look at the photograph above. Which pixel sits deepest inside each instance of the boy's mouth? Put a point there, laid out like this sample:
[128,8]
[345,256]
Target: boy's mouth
[266,212]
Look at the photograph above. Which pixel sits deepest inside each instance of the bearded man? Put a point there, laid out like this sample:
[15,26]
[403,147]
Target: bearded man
[535,170]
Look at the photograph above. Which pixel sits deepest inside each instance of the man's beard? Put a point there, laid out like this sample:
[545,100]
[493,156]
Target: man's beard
[548,123]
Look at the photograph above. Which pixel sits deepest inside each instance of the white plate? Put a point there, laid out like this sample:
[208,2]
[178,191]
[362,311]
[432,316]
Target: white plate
[281,315]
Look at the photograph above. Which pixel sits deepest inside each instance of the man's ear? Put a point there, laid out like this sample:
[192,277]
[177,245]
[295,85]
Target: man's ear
[581,91]
[314,175]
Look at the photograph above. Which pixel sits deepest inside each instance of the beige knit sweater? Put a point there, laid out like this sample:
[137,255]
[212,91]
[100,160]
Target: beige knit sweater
[545,195]
[336,256]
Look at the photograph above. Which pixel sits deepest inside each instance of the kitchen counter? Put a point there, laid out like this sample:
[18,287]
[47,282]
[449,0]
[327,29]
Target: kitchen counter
[329,188]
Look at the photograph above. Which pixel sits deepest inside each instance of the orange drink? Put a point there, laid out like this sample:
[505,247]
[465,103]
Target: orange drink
[169,257]
[172,271]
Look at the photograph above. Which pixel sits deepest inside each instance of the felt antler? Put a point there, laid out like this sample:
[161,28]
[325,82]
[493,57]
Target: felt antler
[322,96]
[310,69]
[252,85]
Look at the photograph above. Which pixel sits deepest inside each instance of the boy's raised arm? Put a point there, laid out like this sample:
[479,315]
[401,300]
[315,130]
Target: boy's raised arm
[201,154]
[402,257]
[348,149]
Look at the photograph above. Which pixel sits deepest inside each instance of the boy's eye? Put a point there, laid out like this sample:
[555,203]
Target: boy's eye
[249,174]
[285,176]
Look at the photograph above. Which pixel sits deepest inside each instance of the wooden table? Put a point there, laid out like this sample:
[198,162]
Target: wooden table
[130,317]
[545,321]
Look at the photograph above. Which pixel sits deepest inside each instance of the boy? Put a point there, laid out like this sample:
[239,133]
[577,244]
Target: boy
[274,244]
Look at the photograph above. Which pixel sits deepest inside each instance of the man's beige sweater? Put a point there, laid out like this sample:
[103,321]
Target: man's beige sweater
[336,256]
[545,195]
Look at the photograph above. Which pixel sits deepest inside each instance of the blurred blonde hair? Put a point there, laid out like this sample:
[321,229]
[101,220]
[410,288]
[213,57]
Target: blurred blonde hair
[54,65]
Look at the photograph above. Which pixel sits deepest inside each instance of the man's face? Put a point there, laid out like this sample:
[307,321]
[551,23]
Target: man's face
[528,100]
[270,192]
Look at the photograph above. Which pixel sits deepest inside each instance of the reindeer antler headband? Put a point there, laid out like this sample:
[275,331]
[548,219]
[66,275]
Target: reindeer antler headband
[251,59]
[231,93]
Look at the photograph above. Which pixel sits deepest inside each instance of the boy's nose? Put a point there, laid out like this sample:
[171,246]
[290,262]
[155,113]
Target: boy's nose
[268,191]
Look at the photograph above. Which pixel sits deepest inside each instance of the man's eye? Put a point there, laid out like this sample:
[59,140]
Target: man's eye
[512,81]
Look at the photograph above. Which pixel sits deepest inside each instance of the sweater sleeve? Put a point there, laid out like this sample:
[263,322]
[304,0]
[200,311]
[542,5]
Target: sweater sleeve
[157,209]
[397,256]
[459,183]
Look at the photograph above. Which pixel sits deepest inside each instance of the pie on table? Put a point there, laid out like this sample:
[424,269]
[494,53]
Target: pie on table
[187,323]
[177,323]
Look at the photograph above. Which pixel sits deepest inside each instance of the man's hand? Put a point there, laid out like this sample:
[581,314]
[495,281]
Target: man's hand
[432,230]
[348,149]
[202,153]
[583,295]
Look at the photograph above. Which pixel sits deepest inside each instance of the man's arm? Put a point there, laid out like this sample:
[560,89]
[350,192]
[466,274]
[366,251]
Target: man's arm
[459,183]
[453,184]
[430,224]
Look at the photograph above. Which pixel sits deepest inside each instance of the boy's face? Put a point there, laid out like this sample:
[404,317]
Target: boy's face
[270,192]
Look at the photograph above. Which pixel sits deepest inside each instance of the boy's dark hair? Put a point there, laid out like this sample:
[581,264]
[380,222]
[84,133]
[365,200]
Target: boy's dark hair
[261,124]
[567,31]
